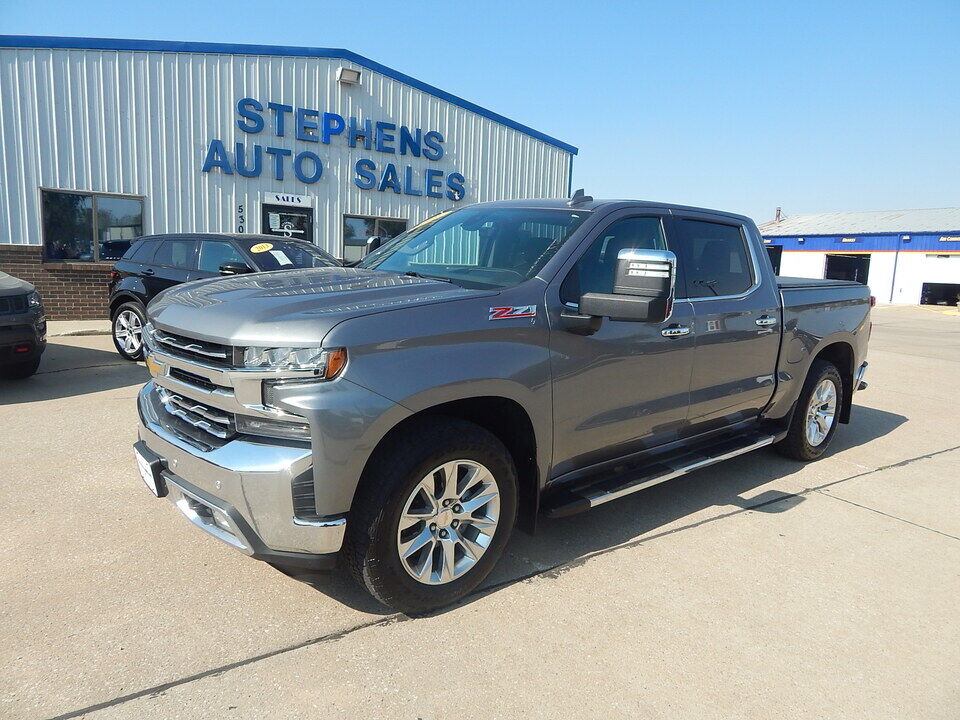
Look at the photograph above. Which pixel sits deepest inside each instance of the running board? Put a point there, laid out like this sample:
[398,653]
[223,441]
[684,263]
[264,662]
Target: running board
[610,486]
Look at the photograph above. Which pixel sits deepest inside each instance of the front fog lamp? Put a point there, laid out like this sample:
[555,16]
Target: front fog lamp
[326,364]
[268,427]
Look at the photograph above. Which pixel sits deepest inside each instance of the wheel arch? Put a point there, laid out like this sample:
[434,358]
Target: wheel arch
[841,354]
[504,418]
[122,297]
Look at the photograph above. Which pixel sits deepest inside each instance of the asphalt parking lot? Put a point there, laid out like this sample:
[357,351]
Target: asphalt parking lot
[760,588]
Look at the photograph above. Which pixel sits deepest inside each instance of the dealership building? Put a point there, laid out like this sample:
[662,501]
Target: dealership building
[907,257]
[104,140]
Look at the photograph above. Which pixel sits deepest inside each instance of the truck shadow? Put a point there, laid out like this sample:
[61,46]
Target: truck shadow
[71,370]
[561,545]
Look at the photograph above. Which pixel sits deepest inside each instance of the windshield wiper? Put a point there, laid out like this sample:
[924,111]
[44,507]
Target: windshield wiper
[411,273]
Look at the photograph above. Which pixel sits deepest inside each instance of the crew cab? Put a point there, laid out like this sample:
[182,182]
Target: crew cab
[494,363]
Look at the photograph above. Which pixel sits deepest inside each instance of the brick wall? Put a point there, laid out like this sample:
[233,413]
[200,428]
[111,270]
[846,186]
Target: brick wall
[70,290]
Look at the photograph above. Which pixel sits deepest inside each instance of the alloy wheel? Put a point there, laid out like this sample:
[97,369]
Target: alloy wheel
[821,412]
[128,331]
[448,522]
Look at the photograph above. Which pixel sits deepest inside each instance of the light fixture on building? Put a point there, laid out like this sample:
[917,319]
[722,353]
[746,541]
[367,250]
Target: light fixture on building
[348,76]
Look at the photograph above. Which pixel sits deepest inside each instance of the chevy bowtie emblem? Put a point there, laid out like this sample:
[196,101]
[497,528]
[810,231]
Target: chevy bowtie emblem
[517,311]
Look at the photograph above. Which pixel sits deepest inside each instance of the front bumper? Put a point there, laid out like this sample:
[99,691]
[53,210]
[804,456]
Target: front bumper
[241,492]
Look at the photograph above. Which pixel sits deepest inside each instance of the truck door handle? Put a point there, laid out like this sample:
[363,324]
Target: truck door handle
[675,331]
[766,321]
[147,271]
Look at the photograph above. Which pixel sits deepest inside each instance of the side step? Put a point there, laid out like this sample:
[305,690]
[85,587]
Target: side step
[615,484]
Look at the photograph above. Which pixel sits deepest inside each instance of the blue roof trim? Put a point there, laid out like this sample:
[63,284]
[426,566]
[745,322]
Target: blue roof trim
[77,43]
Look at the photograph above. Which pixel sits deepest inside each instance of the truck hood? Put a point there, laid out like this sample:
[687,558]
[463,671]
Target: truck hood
[290,308]
[10,285]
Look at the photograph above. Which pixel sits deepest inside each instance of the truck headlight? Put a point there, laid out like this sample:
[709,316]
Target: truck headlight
[326,364]
[33,300]
[147,335]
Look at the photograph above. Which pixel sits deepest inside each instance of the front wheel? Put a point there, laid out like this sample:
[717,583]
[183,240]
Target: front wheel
[815,416]
[128,322]
[432,516]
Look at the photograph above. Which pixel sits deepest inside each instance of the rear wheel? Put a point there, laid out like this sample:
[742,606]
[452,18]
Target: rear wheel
[128,322]
[432,516]
[815,416]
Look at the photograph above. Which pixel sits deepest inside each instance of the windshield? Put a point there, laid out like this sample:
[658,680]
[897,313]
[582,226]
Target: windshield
[286,255]
[479,247]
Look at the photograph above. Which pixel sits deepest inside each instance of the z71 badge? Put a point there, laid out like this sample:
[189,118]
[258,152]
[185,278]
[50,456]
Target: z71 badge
[509,313]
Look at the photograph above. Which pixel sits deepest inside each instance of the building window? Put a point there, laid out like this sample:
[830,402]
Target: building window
[356,230]
[89,227]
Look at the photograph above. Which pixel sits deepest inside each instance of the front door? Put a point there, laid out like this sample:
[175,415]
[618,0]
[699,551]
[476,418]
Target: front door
[736,321]
[624,388]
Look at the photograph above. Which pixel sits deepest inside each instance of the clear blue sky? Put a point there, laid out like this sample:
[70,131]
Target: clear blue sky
[815,106]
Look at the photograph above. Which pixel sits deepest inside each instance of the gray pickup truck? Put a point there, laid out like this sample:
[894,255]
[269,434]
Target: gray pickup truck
[496,362]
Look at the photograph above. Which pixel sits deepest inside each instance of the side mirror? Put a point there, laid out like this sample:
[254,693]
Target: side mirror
[373,243]
[642,288]
[234,268]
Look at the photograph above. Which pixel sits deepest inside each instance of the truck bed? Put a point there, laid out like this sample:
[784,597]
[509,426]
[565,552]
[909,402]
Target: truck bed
[798,283]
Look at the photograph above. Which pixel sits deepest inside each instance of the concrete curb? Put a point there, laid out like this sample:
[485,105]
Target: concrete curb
[77,333]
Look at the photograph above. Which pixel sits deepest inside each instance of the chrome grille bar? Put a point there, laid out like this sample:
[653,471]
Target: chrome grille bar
[188,346]
[203,417]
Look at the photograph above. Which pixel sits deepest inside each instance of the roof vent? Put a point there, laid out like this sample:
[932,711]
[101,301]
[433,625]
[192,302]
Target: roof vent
[348,76]
[579,198]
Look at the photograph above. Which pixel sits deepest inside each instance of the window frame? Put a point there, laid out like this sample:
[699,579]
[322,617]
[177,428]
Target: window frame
[754,265]
[94,221]
[236,246]
[596,235]
[178,238]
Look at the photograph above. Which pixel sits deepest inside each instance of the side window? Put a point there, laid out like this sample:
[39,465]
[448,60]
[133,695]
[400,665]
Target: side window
[176,253]
[141,251]
[595,270]
[214,253]
[714,257]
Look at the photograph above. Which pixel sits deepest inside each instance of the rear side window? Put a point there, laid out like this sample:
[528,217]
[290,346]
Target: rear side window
[714,257]
[596,269]
[214,253]
[141,252]
[176,253]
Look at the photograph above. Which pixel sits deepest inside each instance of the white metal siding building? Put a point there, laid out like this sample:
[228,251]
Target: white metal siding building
[907,257]
[165,137]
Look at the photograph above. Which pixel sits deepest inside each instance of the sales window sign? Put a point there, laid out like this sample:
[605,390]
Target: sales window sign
[309,126]
[288,199]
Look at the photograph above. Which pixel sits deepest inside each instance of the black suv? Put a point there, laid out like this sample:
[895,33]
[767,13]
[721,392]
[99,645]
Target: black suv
[23,328]
[156,262]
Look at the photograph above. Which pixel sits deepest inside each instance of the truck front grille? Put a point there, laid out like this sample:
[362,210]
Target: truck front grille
[203,417]
[195,350]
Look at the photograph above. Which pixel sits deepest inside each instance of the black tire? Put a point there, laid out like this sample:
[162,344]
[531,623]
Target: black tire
[20,370]
[370,548]
[796,445]
[127,307]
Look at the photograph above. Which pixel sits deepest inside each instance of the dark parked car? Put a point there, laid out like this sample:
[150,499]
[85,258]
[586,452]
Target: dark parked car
[156,262]
[23,328]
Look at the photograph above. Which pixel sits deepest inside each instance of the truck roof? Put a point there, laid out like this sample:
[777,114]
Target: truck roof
[605,204]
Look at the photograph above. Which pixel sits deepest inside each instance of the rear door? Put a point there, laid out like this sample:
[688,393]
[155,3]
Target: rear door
[624,388]
[736,319]
[173,263]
